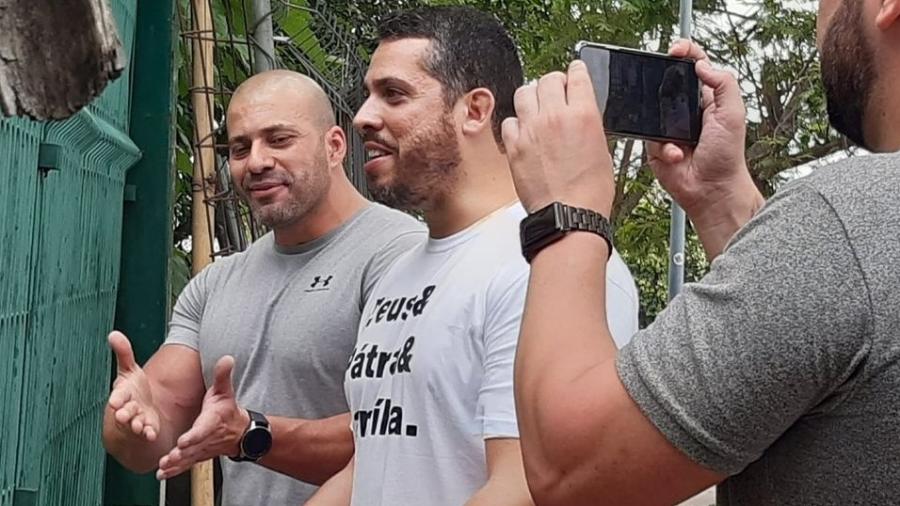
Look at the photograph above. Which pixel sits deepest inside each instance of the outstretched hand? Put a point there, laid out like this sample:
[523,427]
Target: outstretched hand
[131,398]
[217,430]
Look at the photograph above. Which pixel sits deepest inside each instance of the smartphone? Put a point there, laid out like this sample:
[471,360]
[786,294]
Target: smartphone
[644,95]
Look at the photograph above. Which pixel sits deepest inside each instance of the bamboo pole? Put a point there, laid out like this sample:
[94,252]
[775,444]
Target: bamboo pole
[202,215]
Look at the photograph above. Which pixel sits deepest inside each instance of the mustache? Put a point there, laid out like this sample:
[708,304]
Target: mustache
[251,180]
[373,136]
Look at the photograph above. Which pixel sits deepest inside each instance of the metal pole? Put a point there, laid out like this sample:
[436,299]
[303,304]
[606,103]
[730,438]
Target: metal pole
[264,47]
[676,231]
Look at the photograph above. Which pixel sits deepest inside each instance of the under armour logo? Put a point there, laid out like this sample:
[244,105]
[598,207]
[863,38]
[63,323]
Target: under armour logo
[319,279]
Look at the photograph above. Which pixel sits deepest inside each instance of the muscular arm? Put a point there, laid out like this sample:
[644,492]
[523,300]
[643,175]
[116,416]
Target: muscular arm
[310,450]
[176,386]
[583,437]
[506,476]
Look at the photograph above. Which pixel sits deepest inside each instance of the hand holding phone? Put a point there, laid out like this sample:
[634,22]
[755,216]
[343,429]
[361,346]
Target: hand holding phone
[710,180]
[644,95]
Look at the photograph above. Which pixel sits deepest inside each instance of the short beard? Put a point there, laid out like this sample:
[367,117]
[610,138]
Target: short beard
[307,192]
[424,171]
[279,216]
[848,72]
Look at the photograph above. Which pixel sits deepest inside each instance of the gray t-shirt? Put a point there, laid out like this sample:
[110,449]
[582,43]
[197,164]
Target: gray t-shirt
[289,317]
[781,368]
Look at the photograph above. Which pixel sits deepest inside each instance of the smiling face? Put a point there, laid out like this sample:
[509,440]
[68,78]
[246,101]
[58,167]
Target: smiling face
[409,130]
[277,153]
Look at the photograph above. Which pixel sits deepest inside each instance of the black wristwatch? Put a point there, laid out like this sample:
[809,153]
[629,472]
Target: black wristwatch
[542,228]
[256,441]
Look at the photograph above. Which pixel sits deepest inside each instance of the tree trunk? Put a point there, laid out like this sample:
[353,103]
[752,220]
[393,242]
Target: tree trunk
[55,57]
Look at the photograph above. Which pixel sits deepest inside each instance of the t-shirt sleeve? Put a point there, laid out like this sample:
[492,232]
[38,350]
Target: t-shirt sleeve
[184,326]
[496,398]
[771,334]
[382,260]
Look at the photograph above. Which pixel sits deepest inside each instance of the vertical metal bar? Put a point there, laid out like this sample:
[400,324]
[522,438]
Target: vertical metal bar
[264,47]
[142,306]
[676,230]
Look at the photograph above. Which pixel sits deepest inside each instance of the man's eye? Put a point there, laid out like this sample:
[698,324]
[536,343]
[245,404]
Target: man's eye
[237,151]
[393,93]
[280,140]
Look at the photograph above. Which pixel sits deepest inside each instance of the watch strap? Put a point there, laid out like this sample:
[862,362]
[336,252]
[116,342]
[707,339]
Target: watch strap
[257,420]
[537,234]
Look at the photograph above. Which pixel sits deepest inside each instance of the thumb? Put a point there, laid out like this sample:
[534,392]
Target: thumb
[509,131]
[121,347]
[222,376]
[725,87]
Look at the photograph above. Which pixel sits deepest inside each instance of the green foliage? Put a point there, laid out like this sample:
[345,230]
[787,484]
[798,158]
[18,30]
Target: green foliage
[769,44]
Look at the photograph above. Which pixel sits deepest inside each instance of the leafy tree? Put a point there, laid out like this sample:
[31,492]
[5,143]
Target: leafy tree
[769,44]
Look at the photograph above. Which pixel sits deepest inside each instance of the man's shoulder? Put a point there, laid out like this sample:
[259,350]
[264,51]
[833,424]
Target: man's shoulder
[228,263]
[387,221]
[860,177]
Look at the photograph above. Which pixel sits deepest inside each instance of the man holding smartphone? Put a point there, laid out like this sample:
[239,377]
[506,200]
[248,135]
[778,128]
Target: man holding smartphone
[777,376]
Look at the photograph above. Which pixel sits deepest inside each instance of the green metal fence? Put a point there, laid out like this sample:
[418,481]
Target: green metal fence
[61,197]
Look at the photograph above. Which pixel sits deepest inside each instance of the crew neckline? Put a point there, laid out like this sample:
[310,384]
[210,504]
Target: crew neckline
[306,247]
[452,241]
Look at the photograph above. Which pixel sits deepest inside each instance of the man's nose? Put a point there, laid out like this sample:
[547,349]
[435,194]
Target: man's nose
[260,159]
[368,117]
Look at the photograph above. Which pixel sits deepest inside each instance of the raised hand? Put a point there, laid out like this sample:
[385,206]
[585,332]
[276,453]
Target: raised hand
[216,431]
[131,398]
[703,176]
[556,145]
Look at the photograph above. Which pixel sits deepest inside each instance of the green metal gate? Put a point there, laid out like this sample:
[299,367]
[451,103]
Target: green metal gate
[61,197]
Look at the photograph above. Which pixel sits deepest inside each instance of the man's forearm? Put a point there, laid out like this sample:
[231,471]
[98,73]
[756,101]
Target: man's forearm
[564,337]
[717,222]
[508,491]
[310,450]
[337,491]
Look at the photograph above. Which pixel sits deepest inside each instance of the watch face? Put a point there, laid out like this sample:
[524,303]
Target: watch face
[257,442]
[538,226]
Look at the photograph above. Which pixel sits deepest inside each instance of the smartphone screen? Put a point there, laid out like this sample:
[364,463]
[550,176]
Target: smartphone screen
[644,95]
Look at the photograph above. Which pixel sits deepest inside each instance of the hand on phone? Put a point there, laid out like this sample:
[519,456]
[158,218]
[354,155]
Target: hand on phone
[710,180]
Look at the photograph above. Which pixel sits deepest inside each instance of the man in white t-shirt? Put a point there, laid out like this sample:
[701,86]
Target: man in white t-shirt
[430,381]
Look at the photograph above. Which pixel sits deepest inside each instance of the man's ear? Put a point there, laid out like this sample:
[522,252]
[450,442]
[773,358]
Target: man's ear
[480,106]
[888,14]
[335,146]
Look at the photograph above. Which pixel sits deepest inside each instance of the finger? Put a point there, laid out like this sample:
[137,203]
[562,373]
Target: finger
[551,91]
[222,376]
[127,412]
[667,154]
[708,97]
[724,86]
[672,154]
[122,349]
[150,433]
[137,425]
[579,88]
[171,464]
[684,48]
[509,130]
[526,102]
[119,397]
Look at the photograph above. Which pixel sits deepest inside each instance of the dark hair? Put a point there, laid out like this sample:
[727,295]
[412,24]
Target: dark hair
[469,49]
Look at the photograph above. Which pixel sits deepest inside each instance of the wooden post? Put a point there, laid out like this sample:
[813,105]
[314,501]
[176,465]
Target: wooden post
[204,165]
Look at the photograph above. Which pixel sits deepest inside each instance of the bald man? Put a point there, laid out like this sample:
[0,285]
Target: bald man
[252,368]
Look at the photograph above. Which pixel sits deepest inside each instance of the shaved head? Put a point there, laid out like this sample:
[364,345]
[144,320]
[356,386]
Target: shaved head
[284,146]
[291,89]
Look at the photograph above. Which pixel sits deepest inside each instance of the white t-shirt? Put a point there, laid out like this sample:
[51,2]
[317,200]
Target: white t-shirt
[431,376]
